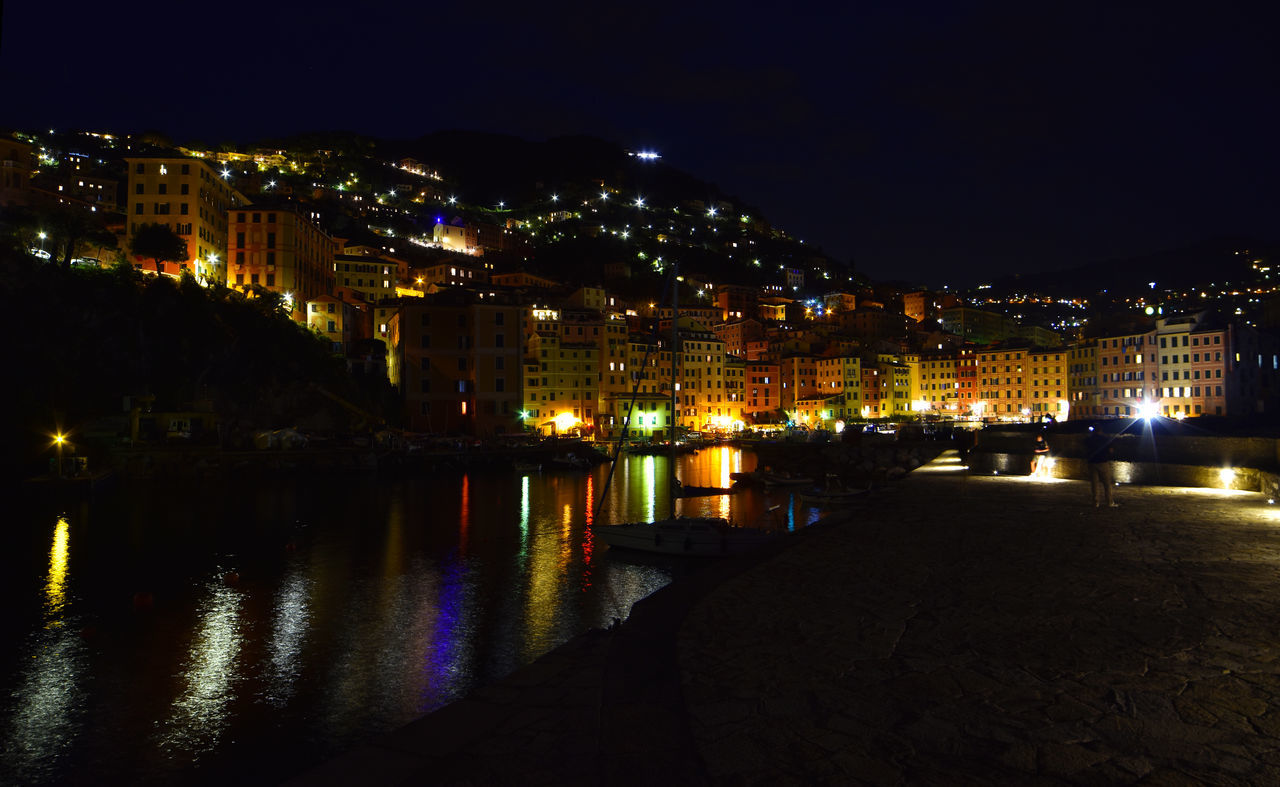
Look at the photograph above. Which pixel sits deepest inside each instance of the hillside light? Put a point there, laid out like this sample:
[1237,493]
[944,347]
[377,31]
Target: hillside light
[639,202]
[555,198]
[226,173]
[453,200]
[604,195]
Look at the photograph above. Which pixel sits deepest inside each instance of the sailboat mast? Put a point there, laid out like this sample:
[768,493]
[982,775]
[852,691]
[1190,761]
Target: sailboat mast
[671,457]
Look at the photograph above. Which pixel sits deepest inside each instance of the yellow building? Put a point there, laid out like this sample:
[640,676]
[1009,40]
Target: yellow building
[936,384]
[841,376]
[282,249]
[193,200]
[702,394]
[372,276]
[1004,383]
[561,385]
[1082,380]
[1049,383]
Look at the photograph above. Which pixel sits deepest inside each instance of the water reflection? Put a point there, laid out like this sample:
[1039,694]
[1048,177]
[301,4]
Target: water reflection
[199,715]
[55,593]
[291,617]
[392,598]
[48,701]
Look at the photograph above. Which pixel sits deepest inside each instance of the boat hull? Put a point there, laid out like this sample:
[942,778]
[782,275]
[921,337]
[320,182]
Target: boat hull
[694,537]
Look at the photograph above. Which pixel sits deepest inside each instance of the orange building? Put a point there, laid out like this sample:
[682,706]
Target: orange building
[282,249]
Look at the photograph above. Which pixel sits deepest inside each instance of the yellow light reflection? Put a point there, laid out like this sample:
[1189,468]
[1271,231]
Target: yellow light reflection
[650,489]
[524,515]
[55,589]
[201,712]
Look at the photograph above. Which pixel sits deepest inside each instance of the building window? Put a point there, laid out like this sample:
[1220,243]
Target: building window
[184,188]
[271,280]
[139,189]
[257,218]
[186,170]
[163,188]
[271,240]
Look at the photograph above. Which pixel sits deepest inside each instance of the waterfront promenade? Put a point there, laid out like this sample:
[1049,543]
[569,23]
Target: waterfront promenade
[951,629]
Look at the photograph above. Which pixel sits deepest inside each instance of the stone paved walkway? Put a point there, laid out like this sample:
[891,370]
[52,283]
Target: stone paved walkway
[952,629]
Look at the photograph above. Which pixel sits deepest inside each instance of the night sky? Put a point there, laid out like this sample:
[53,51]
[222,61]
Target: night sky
[944,142]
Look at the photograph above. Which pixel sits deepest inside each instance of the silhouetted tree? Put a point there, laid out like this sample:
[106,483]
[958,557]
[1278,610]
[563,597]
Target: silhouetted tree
[159,243]
[70,226]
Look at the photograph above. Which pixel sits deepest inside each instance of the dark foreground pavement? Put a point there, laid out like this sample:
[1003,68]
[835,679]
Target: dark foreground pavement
[952,629]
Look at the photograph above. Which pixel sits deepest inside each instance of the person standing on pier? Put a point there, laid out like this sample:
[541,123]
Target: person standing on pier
[1097,448]
[1039,452]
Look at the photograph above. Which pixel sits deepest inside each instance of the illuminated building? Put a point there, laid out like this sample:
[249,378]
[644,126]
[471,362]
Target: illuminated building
[1048,383]
[763,391]
[703,397]
[737,302]
[1128,373]
[936,383]
[333,319]
[1004,382]
[372,275]
[456,238]
[193,200]
[976,325]
[450,273]
[561,383]
[1082,380]
[737,334]
[798,377]
[282,249]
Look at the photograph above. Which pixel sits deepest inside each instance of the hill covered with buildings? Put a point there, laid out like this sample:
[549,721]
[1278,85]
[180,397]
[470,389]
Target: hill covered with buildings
[477,284]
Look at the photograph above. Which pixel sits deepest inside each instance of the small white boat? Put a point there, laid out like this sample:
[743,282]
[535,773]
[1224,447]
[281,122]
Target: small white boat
[691,536]
[785,479]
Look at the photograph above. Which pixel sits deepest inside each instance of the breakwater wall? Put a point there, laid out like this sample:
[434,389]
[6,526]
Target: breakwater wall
[1141,455]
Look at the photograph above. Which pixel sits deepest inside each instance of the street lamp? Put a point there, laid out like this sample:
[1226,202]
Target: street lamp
[42,236]
[58,440]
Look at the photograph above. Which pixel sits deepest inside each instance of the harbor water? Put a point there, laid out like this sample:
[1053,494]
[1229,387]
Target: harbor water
[248,628]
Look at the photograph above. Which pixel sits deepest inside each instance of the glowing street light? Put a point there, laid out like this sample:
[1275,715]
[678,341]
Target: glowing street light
[639,202]
[58,440]
[453,200]
[42,236]
[226,173]
[555,198]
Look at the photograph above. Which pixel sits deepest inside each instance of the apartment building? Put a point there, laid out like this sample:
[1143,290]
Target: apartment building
[1128,374]
[193,200]
[282,249]
[461,363]
[1003,383]
[1049,384]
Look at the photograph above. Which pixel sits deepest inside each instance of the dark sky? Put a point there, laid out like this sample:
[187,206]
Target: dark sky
[946,142]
